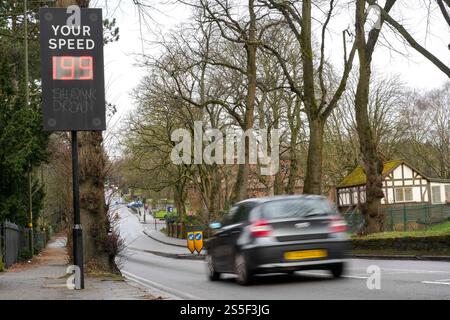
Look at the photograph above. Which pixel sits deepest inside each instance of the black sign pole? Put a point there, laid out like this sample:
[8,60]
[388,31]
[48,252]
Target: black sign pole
[77,229]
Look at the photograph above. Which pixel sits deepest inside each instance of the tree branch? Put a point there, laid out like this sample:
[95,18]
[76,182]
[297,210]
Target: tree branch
[413,43]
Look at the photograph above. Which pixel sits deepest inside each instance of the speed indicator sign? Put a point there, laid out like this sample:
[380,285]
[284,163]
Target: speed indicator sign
[73,85]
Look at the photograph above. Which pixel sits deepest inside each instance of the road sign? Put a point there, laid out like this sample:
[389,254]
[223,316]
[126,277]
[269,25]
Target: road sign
[198,241]
[73,85]
[190,242]
[170,209]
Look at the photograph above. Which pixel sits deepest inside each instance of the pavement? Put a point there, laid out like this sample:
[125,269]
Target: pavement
[44,277]
[149,240]
[159,236]
[149,261]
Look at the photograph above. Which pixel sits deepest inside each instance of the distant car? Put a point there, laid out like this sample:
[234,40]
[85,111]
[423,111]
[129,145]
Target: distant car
[278,234]
[136,204]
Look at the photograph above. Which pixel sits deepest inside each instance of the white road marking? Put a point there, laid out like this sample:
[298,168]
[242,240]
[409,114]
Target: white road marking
[350,276]
[436,282]
[393,271]
[443,281]
[415,271]
[152,285]
[355,277]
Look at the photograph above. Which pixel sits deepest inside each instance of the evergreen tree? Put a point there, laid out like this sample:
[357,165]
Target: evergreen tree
[23,144]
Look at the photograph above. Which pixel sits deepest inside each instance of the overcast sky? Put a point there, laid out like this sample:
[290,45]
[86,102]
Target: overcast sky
[123,74]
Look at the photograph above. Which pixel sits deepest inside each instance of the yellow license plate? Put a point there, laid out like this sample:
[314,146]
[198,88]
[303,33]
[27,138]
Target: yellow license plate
[305,254]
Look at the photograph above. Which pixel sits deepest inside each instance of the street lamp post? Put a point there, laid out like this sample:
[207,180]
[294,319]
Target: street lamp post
[25,12]
[30,225]
[27,102]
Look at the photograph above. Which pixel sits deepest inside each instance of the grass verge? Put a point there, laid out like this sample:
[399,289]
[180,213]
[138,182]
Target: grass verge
[395,252]
[441,229]
[435,241]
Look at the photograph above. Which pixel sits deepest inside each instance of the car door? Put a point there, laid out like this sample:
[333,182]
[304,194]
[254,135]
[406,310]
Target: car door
[234,231]
[218,244]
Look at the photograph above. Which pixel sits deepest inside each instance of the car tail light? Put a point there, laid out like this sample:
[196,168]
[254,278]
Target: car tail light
[260,228]
[337,224]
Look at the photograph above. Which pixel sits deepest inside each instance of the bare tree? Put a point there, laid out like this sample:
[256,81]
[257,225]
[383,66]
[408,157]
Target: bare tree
[311,86]
[373,162]
[427,143]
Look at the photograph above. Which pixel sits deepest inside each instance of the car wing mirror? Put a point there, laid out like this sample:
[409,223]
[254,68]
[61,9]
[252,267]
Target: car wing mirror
[215,225]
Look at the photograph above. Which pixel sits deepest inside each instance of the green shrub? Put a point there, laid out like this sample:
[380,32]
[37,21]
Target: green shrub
[171,217]
[2,265]
[160,214]
[194,220]
[25,255]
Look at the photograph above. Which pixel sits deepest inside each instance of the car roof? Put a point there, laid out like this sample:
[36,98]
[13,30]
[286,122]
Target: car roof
[282,197]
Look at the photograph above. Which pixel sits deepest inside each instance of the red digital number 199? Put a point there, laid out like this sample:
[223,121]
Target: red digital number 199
[73,68]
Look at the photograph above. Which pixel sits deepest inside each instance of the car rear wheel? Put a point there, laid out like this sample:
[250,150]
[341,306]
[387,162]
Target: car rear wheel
[244,275]
[337,270]
[213,275]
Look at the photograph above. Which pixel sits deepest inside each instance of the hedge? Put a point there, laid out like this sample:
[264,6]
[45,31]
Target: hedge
[426,243]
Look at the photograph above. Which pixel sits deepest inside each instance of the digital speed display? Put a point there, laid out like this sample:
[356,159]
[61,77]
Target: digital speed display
[73,68]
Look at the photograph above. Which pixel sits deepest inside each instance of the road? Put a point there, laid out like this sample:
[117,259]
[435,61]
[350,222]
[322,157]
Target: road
[186,279]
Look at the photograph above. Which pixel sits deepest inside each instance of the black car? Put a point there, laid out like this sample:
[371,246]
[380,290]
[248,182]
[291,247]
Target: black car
[278,234]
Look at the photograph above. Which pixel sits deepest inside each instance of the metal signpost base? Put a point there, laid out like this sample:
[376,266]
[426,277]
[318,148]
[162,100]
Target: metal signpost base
[77,229]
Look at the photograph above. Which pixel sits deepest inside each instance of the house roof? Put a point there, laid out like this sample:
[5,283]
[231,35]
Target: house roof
[358,177]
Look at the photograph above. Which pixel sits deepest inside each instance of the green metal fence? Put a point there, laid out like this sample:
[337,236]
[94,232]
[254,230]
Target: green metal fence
[404,217]
[15,243]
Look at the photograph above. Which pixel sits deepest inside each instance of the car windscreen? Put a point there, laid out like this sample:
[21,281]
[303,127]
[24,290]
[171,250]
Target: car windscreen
[296,208]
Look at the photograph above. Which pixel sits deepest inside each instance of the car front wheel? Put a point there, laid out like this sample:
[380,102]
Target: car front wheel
[213,275]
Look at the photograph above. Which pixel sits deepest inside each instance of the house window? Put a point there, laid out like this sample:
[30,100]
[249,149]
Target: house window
[447,192]
[436,194]
[399,195]
[403,195]
[408,194]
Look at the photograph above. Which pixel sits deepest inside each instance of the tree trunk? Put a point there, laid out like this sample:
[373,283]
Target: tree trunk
[278,183]
[313,176]
[99,247]
[240,190]
[215,192]
[240,187]
[294,163]
[373,166]
[293,174]
[93,208]
[179,197]
[372,163]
